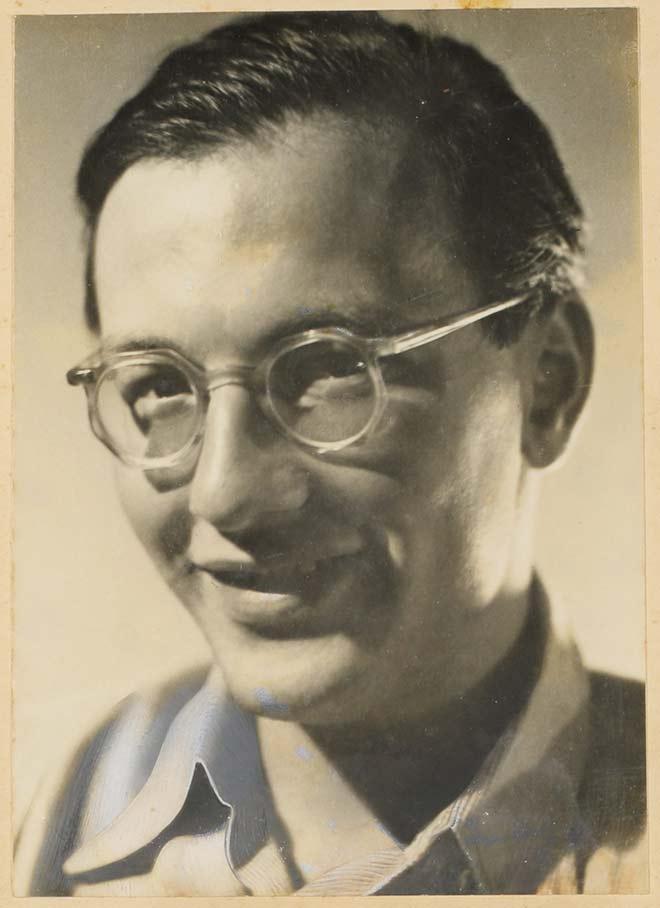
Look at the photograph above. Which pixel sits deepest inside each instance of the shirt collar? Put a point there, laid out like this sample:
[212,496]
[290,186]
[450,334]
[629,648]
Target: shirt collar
[511,824]
[210,732]
[516,820]
[519,815]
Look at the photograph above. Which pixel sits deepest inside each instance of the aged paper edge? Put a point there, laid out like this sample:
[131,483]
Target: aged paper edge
[649,11]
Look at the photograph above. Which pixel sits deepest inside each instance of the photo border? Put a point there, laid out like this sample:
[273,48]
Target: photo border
[649,25]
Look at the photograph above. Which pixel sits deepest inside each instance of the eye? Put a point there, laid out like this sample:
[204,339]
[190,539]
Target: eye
[154,392]
[320,372]
[141,382]
[324,390]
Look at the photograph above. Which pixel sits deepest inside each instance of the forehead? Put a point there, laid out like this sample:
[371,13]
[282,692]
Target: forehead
[321,215]
[311,174]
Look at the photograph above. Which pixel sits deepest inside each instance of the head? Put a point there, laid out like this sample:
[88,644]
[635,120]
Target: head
[297,170]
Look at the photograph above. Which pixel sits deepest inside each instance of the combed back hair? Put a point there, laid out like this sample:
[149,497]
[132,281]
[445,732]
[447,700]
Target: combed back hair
[518,220]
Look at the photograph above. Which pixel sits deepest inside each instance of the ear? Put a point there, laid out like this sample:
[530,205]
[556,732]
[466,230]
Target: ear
[561,374]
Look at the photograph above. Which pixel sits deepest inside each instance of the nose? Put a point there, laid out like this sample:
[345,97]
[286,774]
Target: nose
[246,475]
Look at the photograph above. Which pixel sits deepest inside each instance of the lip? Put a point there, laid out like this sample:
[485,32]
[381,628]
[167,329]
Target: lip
[284,599]
[276,575]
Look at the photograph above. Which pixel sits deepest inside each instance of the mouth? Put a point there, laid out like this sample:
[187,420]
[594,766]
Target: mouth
[287,600]
[279,579]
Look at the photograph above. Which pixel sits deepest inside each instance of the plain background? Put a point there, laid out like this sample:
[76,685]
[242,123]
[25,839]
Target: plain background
[92,620]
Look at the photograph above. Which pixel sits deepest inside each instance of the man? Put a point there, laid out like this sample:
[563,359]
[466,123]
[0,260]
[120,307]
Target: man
[334,269]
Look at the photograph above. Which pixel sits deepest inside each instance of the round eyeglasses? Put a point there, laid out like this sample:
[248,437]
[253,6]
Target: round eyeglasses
[323,388]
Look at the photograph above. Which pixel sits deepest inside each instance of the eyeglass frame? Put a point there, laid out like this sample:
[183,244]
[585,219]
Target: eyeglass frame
[90,373]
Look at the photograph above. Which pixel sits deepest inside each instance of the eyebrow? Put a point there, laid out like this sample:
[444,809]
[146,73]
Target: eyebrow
[366,318]
[144,344]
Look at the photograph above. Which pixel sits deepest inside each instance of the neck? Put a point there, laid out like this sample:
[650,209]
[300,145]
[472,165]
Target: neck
[404,774]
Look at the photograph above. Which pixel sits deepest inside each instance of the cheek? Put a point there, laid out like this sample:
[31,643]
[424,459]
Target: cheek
[468,487]
[490,497]
[160,520]
[489,455]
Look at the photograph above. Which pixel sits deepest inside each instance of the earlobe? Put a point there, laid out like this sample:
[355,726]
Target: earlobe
[560,382]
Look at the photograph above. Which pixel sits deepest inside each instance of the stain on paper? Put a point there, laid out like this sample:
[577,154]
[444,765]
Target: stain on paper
[484,4]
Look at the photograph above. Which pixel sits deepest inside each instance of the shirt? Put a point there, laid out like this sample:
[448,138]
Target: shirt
[169,798]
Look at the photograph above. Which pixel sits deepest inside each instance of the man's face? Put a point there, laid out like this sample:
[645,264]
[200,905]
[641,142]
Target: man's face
[373,580]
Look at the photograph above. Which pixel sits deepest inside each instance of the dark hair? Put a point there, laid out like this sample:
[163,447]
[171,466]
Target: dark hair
[519,221]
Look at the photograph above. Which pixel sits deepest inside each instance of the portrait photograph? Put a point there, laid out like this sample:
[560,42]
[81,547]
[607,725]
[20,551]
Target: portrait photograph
[328,473]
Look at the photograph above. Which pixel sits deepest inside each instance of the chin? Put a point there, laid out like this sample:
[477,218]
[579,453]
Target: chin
[309,681]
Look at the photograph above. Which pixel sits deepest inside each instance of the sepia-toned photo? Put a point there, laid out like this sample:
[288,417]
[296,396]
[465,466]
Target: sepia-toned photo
[329,490]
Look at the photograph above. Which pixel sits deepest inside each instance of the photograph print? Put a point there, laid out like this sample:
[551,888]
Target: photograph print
[329,477]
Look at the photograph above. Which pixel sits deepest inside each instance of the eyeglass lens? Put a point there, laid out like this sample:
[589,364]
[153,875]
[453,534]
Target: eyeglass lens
[322,391]
[148,410]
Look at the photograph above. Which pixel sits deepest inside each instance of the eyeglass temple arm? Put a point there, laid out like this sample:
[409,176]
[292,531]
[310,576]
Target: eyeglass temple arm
[416,338]
[85,373]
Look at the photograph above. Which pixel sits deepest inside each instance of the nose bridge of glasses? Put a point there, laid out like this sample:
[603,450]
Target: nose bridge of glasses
[230,375]
[240,472]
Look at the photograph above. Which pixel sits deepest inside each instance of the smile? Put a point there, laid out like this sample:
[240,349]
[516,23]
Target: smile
[284,580]
[289,600]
